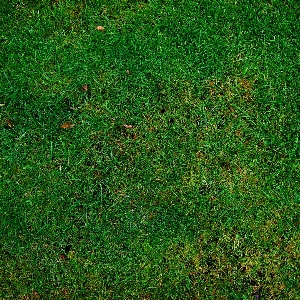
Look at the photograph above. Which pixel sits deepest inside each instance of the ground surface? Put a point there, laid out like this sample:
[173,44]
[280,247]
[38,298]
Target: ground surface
[157,159]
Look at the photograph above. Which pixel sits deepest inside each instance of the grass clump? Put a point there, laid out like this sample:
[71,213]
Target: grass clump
[178,174]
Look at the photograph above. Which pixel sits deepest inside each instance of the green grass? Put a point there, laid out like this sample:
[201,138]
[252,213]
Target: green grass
[199,199]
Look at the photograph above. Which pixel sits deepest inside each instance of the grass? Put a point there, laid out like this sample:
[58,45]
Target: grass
[198,197]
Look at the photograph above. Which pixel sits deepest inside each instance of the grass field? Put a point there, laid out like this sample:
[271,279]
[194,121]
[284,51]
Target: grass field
[156,159]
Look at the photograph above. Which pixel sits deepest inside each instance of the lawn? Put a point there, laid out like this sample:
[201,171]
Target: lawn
[154,157]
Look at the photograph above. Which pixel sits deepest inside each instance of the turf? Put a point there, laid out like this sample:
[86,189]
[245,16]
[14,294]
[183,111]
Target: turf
[176,173]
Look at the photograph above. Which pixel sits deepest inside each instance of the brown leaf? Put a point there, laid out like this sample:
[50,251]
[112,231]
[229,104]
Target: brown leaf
[100,28]
[246,84]
[62,256]
[67,125]
[9,123]
[127,71]
[85,87]
[128,126]
[213,198]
